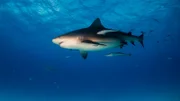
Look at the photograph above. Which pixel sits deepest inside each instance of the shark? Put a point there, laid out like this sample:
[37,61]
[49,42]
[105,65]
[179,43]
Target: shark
[95,37]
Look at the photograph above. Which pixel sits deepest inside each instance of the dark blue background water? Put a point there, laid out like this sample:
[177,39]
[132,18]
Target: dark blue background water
[32,68]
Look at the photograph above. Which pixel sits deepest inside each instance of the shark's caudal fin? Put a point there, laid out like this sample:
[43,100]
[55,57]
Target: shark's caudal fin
[141,38]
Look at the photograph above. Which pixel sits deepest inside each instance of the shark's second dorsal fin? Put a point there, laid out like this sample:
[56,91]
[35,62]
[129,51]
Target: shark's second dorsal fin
[96,24]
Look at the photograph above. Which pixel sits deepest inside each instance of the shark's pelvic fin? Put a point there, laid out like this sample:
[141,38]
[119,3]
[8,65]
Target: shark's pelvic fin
[96,23]
[121,46]
[84,54]
[132,42]
[123,43]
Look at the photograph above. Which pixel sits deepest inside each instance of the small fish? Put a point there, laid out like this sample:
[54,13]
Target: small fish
[67,57]
[169,58]
[30,79]
[117,54]
[50,69]
[151,31]
[156,20]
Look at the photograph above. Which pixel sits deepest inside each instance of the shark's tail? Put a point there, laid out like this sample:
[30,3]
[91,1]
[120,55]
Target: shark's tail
[141,38]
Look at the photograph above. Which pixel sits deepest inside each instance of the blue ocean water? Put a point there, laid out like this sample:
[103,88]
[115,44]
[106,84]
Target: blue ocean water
[32,68]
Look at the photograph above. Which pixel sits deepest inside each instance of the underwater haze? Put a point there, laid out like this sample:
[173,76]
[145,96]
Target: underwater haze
[32,68]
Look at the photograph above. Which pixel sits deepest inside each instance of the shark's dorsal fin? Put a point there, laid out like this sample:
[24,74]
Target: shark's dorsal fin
[96,23]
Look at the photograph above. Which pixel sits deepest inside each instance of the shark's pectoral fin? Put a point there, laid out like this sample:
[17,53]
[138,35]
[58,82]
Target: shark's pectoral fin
[92,42]
[84,54]
[87,41]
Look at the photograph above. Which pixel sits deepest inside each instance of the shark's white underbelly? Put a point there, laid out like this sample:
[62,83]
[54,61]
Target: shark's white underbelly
[90,46]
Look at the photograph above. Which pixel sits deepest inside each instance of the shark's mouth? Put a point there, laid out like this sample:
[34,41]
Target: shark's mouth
[60,42]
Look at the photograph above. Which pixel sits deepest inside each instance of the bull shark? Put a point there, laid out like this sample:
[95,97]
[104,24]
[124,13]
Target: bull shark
[95,37]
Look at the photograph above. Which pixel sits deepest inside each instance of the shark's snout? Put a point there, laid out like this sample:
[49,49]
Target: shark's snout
[53,40]
[56,40]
